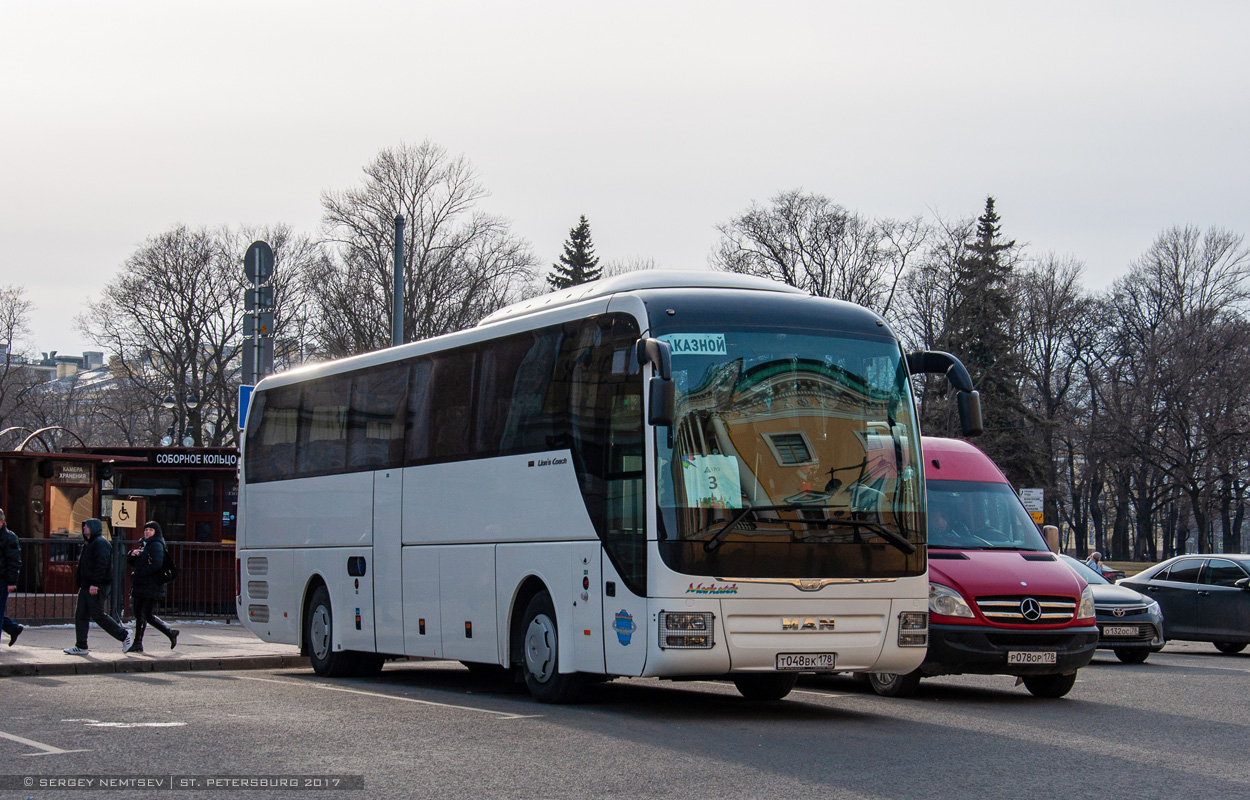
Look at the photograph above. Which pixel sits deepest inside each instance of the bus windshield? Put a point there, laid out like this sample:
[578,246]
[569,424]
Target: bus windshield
[792,455]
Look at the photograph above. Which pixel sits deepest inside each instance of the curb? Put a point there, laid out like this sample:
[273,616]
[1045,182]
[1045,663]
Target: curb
[162,665]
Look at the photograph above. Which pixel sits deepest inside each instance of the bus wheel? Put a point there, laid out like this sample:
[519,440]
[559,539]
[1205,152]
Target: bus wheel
[767,686]
[892,684]
[541,650]
[319,633]
[1050,685]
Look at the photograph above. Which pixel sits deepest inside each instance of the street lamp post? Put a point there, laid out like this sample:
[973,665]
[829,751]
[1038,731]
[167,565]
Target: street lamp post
[184,405]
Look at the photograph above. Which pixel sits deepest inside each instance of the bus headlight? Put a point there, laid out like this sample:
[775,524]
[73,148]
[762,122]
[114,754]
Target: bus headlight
[948,602]
[913,629]
[686,630]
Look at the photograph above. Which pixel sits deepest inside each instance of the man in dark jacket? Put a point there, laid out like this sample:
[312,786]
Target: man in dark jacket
[146,587]
[95,576]
[10,569]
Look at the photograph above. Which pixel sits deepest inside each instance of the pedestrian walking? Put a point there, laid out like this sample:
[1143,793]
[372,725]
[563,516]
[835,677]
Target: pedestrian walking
[10,570]
[95,577]
[147,562]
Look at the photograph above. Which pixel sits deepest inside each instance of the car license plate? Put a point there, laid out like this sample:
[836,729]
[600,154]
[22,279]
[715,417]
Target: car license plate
[1030,657]
[809,662]
[1120,630]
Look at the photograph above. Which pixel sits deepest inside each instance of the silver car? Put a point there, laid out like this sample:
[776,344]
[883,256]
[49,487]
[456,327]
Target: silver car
[1129,623]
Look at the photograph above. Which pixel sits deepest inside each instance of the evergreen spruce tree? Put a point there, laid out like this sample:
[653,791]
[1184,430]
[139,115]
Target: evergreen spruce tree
[982,330]
[578,264]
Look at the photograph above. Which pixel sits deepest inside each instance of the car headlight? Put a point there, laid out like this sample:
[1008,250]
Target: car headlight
[1086,609]
[1152,607]
[947,602]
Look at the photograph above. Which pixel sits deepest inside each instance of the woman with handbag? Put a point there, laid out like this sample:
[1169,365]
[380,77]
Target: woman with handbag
[147,585]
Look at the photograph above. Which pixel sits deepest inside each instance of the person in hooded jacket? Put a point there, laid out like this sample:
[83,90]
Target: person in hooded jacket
[95,577]
[147,561]
[10,571]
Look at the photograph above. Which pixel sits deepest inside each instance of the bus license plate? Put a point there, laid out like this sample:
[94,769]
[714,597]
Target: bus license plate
[1030,657]
[1120,630]
[808,662]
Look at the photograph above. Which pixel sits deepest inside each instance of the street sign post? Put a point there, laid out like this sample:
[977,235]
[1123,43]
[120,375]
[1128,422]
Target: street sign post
[1034,502]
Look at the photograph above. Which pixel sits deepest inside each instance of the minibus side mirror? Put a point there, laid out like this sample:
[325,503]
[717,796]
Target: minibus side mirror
[968,399]
[1051,534]
[661,391]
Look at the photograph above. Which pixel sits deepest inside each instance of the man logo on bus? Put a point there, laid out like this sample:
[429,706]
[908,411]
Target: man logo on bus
[624,626]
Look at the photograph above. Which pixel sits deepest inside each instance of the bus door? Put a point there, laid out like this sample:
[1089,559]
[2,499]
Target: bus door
[624,624]
[387,569]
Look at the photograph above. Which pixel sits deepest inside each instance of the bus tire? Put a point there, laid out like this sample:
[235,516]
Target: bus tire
[765,686]
[892,684]
[1049,685]
[540,656]
[319,634]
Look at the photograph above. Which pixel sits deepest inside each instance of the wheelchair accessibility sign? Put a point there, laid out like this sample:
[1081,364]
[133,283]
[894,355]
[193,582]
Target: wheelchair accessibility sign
[125,514]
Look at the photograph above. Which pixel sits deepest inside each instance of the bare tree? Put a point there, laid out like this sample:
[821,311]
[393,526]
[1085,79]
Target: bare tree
[460,263]
[810,242]
[16,381]
[173,316]
[622,266]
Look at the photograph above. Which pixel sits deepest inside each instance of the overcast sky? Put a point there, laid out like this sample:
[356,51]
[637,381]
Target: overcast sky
[1095,125]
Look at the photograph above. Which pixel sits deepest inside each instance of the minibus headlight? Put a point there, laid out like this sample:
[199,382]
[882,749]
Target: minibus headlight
[686,630]
[947,602]
[1086,609]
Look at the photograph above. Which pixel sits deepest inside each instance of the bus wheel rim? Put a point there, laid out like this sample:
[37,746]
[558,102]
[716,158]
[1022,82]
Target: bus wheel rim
[540,655]
[320,632]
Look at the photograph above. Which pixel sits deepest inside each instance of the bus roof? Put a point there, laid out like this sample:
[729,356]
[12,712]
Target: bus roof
[633,281]
[957,460]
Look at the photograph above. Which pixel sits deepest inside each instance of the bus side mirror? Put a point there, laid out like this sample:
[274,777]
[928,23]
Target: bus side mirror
[968,399]
[1051,534]
[662,393]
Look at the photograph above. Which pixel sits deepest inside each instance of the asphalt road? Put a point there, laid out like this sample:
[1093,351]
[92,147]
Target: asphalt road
[1176,726]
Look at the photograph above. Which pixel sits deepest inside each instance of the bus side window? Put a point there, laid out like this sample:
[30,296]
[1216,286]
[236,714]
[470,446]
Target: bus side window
[515,380]
[375,422]
[273,425]
[451,409]
[322,446]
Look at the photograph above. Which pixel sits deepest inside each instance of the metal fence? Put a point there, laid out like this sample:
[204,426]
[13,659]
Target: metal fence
[47,591]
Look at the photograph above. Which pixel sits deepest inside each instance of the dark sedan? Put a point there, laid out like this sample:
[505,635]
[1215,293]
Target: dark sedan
[1204,598]
[1130,624]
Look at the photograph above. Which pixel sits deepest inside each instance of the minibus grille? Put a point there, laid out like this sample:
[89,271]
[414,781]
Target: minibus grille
[1027,609]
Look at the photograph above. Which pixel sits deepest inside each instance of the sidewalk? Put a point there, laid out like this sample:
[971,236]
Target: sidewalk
[201,646]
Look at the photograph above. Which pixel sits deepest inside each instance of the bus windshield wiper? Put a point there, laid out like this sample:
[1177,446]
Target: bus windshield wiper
[891,537]
[711,544]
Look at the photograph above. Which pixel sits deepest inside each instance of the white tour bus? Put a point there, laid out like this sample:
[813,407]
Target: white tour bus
[670,474]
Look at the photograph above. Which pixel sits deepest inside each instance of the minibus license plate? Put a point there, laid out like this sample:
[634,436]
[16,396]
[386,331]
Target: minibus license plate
[808,662]
[1030,657]
[1120,630]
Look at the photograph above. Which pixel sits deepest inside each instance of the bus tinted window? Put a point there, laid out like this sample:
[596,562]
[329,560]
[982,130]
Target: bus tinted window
[513,413]
[271,451]
[451,405]
[375,422]
[323,427]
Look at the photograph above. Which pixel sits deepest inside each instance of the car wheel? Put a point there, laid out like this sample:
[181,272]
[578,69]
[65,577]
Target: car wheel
[1230,647]
[892,684]
[319,635]
[769,686]
[540,645]
[1050,685]
[1131,656]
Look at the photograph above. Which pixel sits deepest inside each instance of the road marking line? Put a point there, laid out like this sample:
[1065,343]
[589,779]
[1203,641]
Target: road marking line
[48,750]
[327,687]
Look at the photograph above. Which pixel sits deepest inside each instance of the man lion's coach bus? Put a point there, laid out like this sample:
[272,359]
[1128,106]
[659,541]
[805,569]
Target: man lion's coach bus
[671,474]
